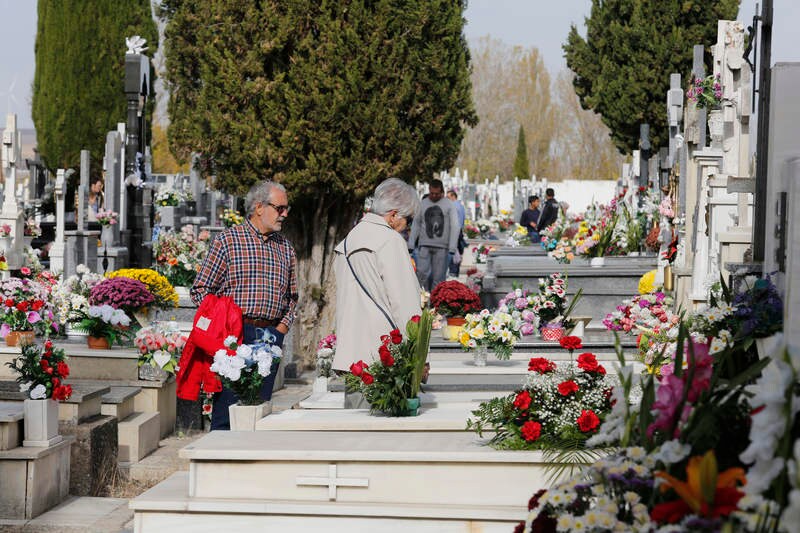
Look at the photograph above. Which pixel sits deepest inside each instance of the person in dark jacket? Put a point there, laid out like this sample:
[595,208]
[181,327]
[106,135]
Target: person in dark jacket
[549,210]
[530,219]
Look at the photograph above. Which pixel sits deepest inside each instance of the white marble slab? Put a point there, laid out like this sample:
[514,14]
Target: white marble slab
[451,417]
[335,400]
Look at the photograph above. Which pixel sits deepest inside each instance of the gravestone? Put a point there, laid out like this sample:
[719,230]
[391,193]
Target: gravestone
[57,249]
[113,256]
[11,213]
[81,243]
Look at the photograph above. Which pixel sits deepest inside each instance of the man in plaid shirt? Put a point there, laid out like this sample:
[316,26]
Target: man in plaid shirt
[256,266]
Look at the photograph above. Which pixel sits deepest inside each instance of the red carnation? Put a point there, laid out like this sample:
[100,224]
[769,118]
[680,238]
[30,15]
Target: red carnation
[9,302]
[56,382]
[367,378]
[62,392]
[44,364]
[396,336]
[358,368]
[531,430]
[38,304]
[22,306]
[48,344]
[565,388]
[63,369]
[588,421]
[541,365]
[588,363]
[571,342]
[415,319]
[523,400]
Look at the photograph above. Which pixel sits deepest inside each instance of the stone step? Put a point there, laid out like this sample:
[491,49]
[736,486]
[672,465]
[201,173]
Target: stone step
[335,399]
[11,415]
[119,401]
[138,436]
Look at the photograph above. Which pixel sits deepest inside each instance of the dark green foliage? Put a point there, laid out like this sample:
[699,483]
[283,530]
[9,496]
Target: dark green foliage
[521,168]
[78,87]
[632,46]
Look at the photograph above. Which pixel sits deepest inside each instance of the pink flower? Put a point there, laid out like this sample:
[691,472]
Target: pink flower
[33,317]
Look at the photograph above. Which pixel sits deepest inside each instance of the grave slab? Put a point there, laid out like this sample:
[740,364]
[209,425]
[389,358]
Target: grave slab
[452,417]
[11,415]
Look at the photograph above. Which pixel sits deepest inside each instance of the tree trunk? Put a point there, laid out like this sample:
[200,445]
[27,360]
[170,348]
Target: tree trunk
[320,227]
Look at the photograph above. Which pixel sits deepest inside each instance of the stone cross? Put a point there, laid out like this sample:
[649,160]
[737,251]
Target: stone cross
[57,249]
[114,196]
[674,115]
[83,190]
[11,214]
[332,482]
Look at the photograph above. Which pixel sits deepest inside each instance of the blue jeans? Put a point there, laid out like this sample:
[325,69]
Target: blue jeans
[220,418]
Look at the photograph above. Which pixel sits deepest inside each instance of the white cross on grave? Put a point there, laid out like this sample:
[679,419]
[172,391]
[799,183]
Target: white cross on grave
[332,482]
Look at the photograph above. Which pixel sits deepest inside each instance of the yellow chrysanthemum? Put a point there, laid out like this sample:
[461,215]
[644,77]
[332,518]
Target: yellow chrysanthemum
[647,283]
[164,294]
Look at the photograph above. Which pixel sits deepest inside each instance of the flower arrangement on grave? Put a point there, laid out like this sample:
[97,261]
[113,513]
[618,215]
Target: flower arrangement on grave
[485,226]
[164,294]
[128,294]
[453,298]
[504,221]
[179,254]
[231,217]
[107,217]
[31,228]
[72,294]
[475,279]
[102,322]
[563,251]
[706,93]
[758,308]
[559,407]
[326,349]
[394,378]
[518,236]
[520,303]
[481,253]
[471,230]
[41,371]
[550,305]
[243,367]
[5,231]
[25,305]
[160,346]
[498,332]
[167,197]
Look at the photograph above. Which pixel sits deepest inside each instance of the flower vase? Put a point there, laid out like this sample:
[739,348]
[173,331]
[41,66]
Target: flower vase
[716,127]
[480,356]
[107,236]
[669,282]
[597,262]
[18,338]
[6,243]
[412,407]
[245,417]
[552,333]
[97,343]
[28,240]
[148,372]
[40,422]
[320,386]
[769,346]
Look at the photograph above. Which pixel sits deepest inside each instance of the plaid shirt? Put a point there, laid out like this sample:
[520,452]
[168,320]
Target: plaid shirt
[258,272]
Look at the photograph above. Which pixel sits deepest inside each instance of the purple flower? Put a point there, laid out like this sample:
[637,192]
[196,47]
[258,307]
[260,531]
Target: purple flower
[644,304]
[521,303]
[5,329]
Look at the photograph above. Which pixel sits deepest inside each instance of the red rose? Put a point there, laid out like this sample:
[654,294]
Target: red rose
[385,339]
[63,369]
[396,336]
[541,365]
[588,421]
[386,356]
[22,306]
[523,400]
[25,271]
[56,382]
[531,430]
[367,378]
[358,368]
[571,342]
[62,392]
[48,344]
[565,388]
[38,304]
[44,364]
[588,363]
[9,302]
[415,319]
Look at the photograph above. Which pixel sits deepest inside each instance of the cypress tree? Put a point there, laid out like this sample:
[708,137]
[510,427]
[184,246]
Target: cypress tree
[521,167]
[80,71]
[327,97]
[622,68]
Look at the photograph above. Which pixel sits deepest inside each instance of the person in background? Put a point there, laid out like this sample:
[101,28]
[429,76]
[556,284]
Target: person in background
[256,266]
[452,195]
[436,232]
[530,219]
[549,211]
[96,200]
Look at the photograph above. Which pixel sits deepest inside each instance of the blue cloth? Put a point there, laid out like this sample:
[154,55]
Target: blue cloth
[220,418]
[462,213]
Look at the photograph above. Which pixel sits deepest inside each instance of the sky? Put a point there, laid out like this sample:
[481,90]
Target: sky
[543,24]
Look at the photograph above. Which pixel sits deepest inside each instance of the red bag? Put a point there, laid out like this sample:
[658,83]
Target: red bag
[217,317]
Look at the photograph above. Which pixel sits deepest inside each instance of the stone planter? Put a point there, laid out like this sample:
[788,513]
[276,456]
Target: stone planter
[107,236]
[716,126]
[18,338]
[170,216]
[28,240]
[597,262]
[148,372]
[320,385]
[41,423]
[244,417]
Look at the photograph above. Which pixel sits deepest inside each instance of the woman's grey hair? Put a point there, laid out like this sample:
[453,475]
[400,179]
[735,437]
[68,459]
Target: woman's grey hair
[259,194]
[394,194]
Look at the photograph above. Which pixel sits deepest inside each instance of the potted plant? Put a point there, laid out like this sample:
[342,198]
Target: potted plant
[24,309]
[483,331]
[40,374]
[121,292]
[550,305]
[391,383]
[160,348]
[103,324]
[242,368]
[72,294]
[453,300]
[326,349]
[164,294]
[107,220]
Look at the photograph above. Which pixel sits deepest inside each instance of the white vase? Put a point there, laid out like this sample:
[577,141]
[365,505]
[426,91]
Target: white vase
[597,262]
[107,236]
[320,386]
[6,243]
[480,356]
[244,417]
[769,346]
[716,127]
[41,423]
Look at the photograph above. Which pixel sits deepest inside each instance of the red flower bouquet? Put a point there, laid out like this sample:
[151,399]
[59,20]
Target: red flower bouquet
[41,372]
[453,298]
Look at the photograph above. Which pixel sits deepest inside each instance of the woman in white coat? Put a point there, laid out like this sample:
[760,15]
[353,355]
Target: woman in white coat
[376,288]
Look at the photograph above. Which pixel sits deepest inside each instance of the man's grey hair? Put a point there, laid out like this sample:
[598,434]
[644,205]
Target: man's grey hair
[260,194]
[394,194]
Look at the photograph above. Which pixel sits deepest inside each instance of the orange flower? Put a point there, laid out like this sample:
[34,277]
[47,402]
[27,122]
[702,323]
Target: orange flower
[172,261]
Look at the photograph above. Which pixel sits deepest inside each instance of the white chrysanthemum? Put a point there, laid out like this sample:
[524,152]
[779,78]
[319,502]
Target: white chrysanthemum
[81,269]
[229,341]
[564,523]
[25,387]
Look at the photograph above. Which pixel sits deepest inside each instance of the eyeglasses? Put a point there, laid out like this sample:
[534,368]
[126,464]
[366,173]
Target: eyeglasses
[281,209]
